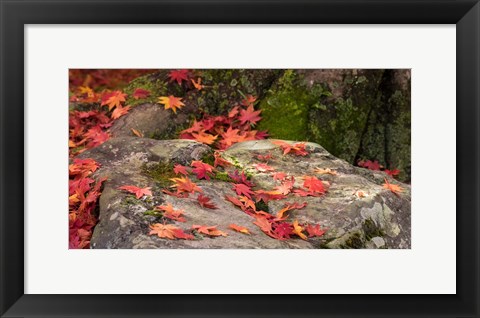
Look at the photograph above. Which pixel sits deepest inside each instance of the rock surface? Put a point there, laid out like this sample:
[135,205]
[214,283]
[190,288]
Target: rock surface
[380,219]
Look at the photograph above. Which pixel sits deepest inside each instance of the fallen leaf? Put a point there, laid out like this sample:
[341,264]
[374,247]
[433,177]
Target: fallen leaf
[297,229]
[139,192]
[113,99]
[209,230]
[179,169]
[171,213]
[171,102]
[242,189]
[314,230]
[169,231]
[179,76]
[392,187]
[136,132]
[202,170]
[239,228]
[119,111]
[141,93]
[206,202]
[325,171]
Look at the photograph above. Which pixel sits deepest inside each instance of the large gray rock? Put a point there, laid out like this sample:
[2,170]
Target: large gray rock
[381,219]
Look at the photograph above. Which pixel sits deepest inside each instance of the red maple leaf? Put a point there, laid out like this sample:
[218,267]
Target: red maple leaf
[314,230]
[372,165]
[179,76]
[139,192]
[240,178]
[279,176]
[313,184]
[179,169]
[219,161]
[206,202]
[249,115]
[202,170]
[242,189]
[393,172]
[262,167]
[283,230]
[141,93]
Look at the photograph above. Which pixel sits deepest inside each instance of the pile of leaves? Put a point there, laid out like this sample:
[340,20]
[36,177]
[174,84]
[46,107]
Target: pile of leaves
[221,132]
[83,194]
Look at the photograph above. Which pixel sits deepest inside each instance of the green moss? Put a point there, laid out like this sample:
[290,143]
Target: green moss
[208,158]
[160,172]
[354,241]
[371,230]
[262,206]
[287,105]
[222,176]
[155,84]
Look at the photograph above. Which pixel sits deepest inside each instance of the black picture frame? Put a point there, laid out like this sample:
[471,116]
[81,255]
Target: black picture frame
[15,14]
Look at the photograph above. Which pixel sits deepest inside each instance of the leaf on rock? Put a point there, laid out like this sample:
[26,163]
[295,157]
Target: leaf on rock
[392,187]
[315,230]
[206,202]
[297,229]
[139,192]
[239,228]
[171,102]
[179,169]
[202,170]
[208,230]
[169,231]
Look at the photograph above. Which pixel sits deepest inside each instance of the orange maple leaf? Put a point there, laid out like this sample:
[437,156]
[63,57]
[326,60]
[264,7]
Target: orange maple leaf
[139,192]
[184,184]
[171,213]
[169,231]
[171,102]
[198,84]
[204,137]
[297,229]
[119,111]
[113,99]
[392,187]
[239,228]
[209,230]
[325,171]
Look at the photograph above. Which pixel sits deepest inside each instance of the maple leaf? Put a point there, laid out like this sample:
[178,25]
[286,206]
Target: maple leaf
[283,230]
[280,214]
[141,93]
[113,99]
[82,167]
[208,230]
[242,189]
[392,187]
[262,167]
[235,201]
[169,231]
[179,76]
[179,169]
[204,137]
[265,225]
[297,229]
[372,165]
[139,192]
[279,176]
[298,149]
[171,213]
[286,187]
[184,184]
[233,112]
[266,196]
[206,202]
[219,161]
[136,133]
[392,173]
[325,171]
[314,230]
[198,84]
[248,100]
[202,170]
[240,178]
[119,111]
[171,102]
[265,158]
[232,136]
[296,205]
[313,184]
[97,136]
[175,194]
[239,228]
[249,115]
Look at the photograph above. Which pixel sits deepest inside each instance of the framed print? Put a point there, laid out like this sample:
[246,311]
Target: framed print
[278,153]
